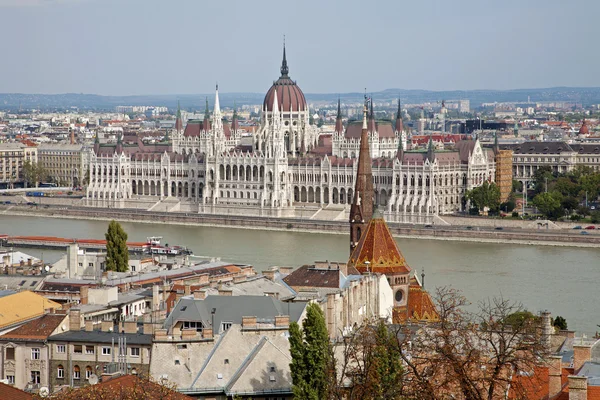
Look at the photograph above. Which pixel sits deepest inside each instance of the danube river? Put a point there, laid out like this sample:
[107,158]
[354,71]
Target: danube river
[564,280]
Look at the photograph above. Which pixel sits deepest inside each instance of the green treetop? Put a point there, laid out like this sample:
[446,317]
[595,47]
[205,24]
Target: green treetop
[117,253]
[310,352]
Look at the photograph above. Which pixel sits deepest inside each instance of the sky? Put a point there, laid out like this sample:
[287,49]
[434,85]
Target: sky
[139,47]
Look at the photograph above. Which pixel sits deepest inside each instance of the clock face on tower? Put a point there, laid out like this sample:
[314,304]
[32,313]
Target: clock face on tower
[399,295]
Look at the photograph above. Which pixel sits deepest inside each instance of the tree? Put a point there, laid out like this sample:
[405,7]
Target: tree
[508,206]
[470,355]
[595,217]
[33,173]
[29,174]
[117,253]
[369,365]
[310,352]
[569,203]
[517,186]
[541,177]
[486,195]
[548,204]
[560,323]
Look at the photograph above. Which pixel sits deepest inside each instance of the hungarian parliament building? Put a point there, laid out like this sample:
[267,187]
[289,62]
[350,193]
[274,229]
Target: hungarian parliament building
[285,167]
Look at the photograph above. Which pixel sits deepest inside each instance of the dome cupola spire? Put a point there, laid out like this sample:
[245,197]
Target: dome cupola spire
[284,67]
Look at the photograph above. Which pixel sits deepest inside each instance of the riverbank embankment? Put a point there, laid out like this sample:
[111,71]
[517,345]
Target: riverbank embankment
[489,234]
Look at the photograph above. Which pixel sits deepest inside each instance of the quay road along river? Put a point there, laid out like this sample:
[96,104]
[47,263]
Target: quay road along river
[564,280]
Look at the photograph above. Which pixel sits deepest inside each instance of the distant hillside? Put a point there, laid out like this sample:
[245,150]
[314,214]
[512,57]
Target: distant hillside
[12,101]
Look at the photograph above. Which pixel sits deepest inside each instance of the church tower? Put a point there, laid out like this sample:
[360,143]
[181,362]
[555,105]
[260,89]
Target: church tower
[361,210]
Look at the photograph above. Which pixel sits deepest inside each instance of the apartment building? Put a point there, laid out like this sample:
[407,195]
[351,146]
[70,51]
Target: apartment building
[66,164]
[12,158]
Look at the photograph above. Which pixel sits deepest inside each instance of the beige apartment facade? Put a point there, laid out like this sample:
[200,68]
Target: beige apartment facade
[66,164]
[12,158]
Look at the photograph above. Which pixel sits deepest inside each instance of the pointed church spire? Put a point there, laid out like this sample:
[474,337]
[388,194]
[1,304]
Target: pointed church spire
[430,150]
[217,109]
[399,123]
[234,120]
[119,149]
[284,66]
[206,122]
[400,153]
[339,127]
[275,104]
[361,210]
[178,121]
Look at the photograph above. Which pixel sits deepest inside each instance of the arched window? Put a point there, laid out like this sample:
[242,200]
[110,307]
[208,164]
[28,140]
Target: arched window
[76,372]
[60,371]
[88,372]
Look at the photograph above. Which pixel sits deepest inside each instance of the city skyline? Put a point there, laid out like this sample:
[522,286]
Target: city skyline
[161,48]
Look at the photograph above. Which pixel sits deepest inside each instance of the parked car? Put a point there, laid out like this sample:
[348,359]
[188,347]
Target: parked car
[499,228]
[577,227]
[469,227]
[584,233]
[428,226]
[590,227]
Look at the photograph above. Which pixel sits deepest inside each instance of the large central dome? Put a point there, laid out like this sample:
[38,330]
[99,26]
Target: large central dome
[289,95]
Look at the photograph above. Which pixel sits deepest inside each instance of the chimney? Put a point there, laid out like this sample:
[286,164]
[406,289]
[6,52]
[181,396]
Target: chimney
[282,321]
[106,326]
[577,387]
[160,334]
[285,270]
[83,295]
[155,298]
[89,326]
[547,330]
[554,372]
[75,320]
[581,354]
[207,333]
[148,328]
[225,292]
[200,294]
[239,279]
[248,322]
[130,327]
[30,262]
[270,273]
[187,290]
[203,279]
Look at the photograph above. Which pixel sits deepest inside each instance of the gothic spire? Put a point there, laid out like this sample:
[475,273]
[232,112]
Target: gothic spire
[234,120]
[361,210]
[339,127]
[284,66]
[430,150]
[217,109]
[206,122]
[178,122]
[400,153]
[399,123]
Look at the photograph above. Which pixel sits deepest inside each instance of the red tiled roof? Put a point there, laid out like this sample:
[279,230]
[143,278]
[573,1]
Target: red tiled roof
[378,247]
[124,387]
[309,276]
[11,393]
[38,329]
[383,128]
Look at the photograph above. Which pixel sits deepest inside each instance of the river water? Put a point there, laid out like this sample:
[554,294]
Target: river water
[563,280]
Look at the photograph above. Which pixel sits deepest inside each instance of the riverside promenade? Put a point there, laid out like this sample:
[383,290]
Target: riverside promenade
[477,230]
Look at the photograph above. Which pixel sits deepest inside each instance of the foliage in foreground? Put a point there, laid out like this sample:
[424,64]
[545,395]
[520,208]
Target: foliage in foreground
[117,253]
